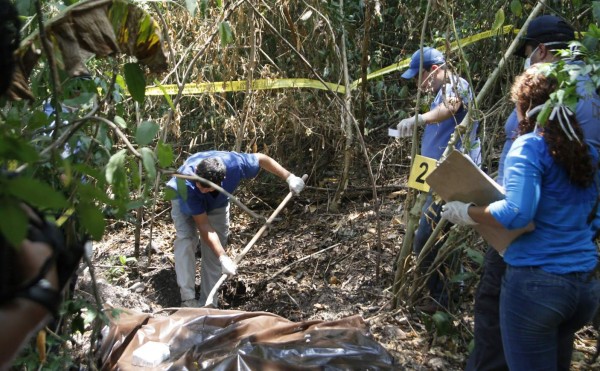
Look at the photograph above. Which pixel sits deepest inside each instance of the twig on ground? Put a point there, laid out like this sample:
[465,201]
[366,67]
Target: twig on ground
[289,296]
[287,267]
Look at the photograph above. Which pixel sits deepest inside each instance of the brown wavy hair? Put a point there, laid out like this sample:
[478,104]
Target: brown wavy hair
[531,89]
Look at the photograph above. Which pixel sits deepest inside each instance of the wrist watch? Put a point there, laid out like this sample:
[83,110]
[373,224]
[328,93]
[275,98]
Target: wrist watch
[42,293]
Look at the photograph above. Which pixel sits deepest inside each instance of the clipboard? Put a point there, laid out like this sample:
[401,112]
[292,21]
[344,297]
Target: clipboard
[457,178]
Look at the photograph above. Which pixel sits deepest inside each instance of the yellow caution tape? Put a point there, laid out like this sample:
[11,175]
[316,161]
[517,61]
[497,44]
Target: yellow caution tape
[270,84]
[242,85]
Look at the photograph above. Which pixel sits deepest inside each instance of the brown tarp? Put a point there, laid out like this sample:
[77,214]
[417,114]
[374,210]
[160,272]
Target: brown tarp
[202,338]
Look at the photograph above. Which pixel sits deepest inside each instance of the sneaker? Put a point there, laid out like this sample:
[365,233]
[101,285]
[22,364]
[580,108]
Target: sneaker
[190,303]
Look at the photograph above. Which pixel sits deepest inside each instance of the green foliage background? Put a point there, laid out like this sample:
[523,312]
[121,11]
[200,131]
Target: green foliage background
[128,142]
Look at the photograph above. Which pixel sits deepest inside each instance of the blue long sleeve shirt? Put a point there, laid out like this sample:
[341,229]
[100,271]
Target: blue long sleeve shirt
[539,190]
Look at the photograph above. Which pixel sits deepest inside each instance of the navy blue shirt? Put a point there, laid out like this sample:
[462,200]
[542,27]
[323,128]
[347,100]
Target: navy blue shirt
[238,166]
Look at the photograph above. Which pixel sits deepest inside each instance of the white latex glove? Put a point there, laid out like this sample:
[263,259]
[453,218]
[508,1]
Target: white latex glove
[406,126]
[457,212]
[227,265]
[296,183]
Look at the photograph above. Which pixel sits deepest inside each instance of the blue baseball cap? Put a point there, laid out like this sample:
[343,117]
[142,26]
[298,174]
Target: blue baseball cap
[431,56]
[545,29]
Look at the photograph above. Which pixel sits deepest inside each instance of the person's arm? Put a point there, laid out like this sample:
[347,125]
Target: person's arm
[272,166]
[523,187]
[211,238]
[295,183]
[482,215]
[22,317]
[443,111]
[208,234]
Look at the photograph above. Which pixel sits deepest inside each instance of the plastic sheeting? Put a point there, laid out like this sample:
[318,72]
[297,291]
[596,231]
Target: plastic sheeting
[202,338]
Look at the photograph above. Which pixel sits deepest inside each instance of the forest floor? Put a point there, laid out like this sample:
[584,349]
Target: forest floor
[339,280]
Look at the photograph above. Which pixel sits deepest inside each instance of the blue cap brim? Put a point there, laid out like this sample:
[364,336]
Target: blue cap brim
[410,73]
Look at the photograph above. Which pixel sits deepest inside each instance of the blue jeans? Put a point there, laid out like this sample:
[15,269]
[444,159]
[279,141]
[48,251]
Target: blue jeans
[540,313]
[437,283]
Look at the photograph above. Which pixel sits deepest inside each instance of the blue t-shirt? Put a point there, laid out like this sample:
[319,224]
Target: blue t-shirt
[436,136]
[588,110]
[539,190]
[239,166]
[511,130]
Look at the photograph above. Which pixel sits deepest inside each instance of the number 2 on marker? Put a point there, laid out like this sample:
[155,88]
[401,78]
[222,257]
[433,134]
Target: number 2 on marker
[422,167]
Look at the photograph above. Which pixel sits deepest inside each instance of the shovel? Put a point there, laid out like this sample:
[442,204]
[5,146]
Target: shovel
[258,234]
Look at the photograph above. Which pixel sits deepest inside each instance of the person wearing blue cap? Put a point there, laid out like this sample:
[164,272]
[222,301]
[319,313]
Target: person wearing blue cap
[449,107]
[549,290]
[203,210]
[545,35]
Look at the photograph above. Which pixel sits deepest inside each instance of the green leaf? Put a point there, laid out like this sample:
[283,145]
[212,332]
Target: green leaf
[14,222]
[149,162]
[38,120]
[165,94]
[136,82]
[122,259]
[92,172]
[542,117]
[92,193]
[121,122]
[36,193]
[516,8]
[498,20]
[461,277]
[170,194]
[89,316]
[115,166]
[225,33]
[92,220]
[145,132]
[181,188]
[164,151]
[596,10]
[443,323]
[203,7]
[191,6]
[475,255]
[135,204]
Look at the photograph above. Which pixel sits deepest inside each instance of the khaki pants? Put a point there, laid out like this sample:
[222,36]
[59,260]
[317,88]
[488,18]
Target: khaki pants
[185,252]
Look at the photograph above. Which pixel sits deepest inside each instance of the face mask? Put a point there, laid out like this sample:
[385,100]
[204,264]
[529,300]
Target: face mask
[527,63]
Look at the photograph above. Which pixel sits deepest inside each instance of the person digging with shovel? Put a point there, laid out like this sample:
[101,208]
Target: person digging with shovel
[201,208]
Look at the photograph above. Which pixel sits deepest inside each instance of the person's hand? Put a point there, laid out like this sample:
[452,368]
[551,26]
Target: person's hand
[406,126]
[458,213]
[296,183]
[228,267]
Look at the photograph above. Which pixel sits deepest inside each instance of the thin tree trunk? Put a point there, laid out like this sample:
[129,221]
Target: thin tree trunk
[347,126]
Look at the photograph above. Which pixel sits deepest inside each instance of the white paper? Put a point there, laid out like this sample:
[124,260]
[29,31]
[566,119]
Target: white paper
[150,354]
[393,133]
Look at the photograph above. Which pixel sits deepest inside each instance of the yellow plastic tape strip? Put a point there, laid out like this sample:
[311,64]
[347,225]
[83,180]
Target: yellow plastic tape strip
[453,46]
[242,85]
[422,167]
[270,84]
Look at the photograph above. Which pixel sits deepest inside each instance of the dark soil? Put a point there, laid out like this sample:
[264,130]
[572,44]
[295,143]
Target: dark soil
[339,282]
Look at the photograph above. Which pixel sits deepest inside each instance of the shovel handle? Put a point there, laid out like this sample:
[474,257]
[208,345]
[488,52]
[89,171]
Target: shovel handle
[249,245]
